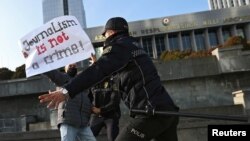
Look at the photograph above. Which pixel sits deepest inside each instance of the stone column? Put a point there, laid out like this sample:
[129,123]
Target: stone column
[224,3]
[233,30]
[247,31]
[220,36]
[229,4]
[154,48]
[219,6]
[207,42]
[247,2]
[240,2]
[180,41]
[236,4]
[167,42]
[193,41]
[210,4]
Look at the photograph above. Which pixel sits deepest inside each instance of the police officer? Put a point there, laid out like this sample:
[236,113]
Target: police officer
[138,83]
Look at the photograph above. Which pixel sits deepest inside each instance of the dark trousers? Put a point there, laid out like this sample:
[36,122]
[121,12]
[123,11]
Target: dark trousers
[111,124]
[145,129]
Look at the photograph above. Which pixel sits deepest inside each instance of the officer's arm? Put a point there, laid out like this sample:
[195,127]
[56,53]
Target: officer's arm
[59,78]
[111,61]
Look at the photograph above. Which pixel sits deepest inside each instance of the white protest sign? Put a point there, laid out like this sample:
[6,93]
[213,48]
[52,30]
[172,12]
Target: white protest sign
[57,43]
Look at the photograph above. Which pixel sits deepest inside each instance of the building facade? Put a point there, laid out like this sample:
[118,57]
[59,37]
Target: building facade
[195,31]
[220,4]
[204,82]
[56,8]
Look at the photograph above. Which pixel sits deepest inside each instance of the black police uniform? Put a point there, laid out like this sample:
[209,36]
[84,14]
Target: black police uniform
[106,97]
[138,83]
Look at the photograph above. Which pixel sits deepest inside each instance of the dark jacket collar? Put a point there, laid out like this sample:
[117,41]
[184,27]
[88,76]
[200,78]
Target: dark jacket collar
[115,37]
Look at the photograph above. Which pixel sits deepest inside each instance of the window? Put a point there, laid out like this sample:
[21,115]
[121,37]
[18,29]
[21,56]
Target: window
[244,2]
[226,33]
[160,44]
[173,42]
[240,31]
[138,42]
[200,40]
[232,3]
[186,41]
[147,45]
[213,38]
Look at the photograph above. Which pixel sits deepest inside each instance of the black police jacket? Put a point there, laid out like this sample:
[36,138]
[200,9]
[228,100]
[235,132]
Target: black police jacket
[138,80]
[106,97]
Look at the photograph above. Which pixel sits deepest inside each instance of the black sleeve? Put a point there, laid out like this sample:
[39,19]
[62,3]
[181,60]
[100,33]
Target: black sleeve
[111,61]
[59,78]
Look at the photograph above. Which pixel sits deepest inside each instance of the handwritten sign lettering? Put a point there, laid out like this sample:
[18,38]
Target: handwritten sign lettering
[57,43]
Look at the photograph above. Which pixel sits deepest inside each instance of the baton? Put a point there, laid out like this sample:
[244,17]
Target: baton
[193,115]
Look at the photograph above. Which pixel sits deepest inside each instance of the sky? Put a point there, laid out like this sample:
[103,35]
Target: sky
[19,17]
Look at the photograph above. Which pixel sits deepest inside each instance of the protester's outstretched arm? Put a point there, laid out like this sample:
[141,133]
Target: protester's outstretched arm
[59,78]
[53,99]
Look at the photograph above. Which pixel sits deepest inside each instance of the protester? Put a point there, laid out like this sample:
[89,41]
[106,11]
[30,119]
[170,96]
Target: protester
[73,114]
[137,80]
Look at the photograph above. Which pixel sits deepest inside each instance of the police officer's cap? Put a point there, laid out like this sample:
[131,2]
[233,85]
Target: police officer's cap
[116,23]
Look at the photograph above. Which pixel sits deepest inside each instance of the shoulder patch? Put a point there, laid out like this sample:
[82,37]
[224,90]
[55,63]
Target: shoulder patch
[107,50]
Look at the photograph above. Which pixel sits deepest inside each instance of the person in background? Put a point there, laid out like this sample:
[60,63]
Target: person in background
[73,114]
[105,98]
[137,80]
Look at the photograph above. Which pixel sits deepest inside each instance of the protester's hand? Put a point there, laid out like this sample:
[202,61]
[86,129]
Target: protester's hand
[53,98]
[96,110]
[92,59]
